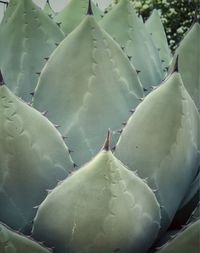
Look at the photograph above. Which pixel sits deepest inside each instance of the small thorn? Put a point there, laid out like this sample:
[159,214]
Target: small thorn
[144,89]
[50,16]
[38,73]
[124,123]
[1,79]
[70,151]
[56,126]
[138,71]
[119,131]
[106,11]
[64,137]
[106,145]
[175,69]
[44,113]
[75,165]
[32,93]
[132,110]
[129,57]
[123,48]
[141,99]
[89,11]
[59,24]
[57,44]
[46,58]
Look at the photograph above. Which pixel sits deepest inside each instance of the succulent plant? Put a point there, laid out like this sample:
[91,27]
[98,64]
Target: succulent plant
[155,28]
[74,12]
[189,63]
[135,200]
[27,36]
[185,241]
[94,92]
[33,157]
[161,142]
[12,242]
[123,24]
[105,199]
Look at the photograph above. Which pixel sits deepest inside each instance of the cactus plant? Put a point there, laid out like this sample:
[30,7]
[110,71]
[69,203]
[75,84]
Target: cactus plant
[161,141]
[12,242]
[98,83]
[74,12]
[105,199]
[129,31]
[33,157]
[27,36]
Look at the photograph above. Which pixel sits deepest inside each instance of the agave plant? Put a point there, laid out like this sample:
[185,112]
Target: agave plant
[84,73]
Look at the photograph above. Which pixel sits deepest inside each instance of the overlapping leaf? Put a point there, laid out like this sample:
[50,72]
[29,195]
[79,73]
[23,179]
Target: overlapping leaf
[12,242]
[87,86]
[109,209]
[74,12]
[33,157]
[155,28]
[123,24]
[185,241]
[161,142]
[189,62]
[27,36]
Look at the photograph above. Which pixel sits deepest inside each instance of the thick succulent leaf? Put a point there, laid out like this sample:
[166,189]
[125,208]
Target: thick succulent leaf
[194,188]
[48,9]
[185,241]
[195,214]
[160,141]
[188,204]
[12,242]
[9,10]
[26,38]
[117,209]
[92,93]
[189,62]
[123,24]
[74,12]
[33,157]
[155,28]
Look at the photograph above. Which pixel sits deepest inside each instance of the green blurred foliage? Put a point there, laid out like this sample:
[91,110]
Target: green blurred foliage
[177,16]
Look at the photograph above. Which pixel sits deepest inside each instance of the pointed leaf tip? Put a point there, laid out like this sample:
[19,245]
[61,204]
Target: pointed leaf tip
[175,69]
[89,11]
[106,145]
[1,79]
